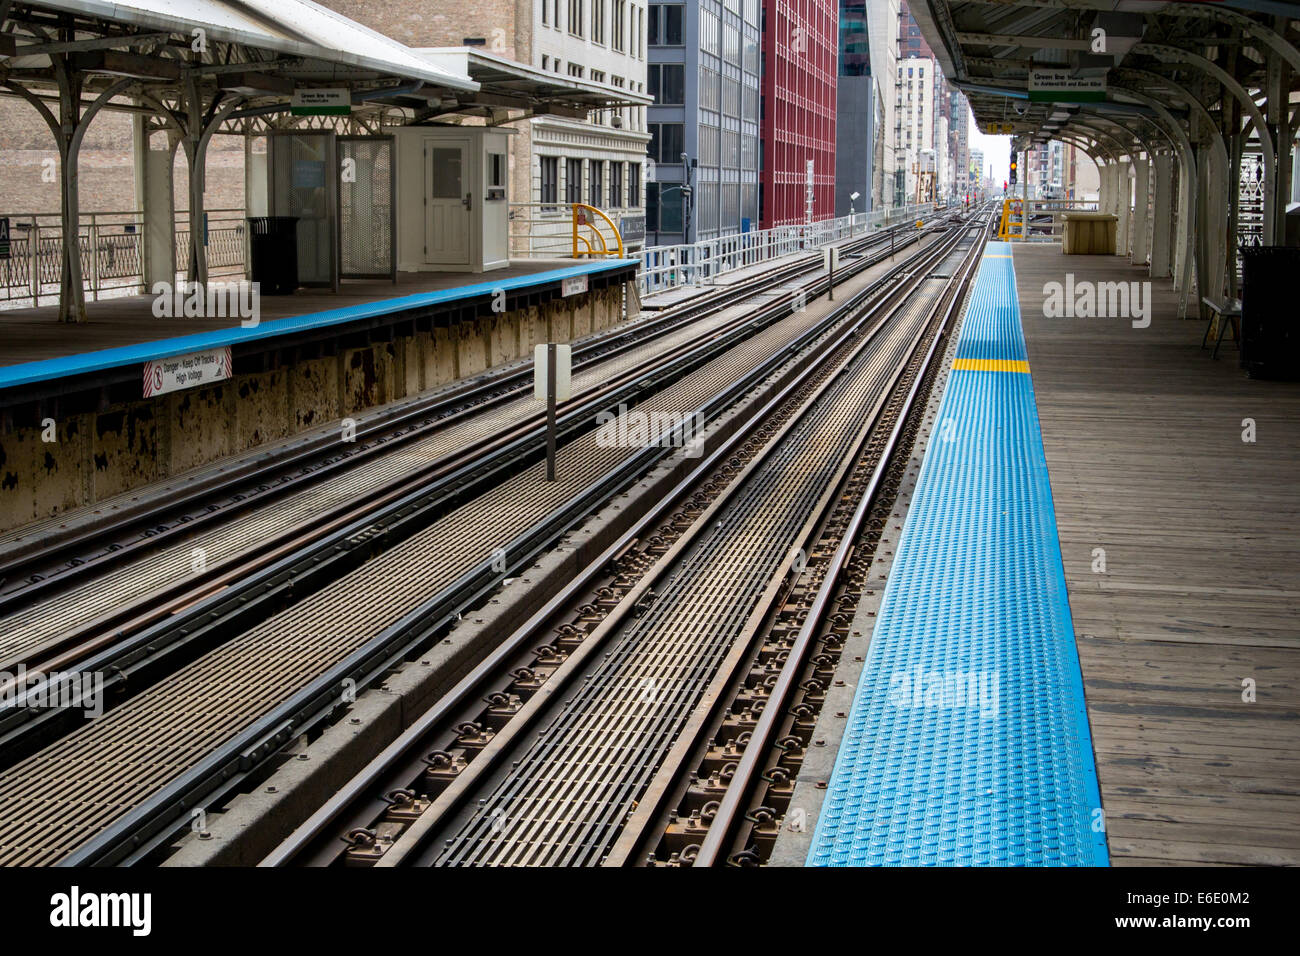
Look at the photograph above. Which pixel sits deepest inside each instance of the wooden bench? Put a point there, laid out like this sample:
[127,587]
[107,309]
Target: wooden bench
[1229,313]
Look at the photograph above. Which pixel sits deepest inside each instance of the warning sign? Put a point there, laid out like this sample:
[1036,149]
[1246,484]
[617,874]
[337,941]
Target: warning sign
[175,372]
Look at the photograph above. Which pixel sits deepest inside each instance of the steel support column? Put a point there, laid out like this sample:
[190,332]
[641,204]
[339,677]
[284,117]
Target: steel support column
[155,196]
[1141,200]
[1162,213]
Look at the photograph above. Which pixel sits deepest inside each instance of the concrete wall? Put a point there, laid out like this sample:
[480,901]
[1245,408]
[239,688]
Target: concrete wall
[100,454]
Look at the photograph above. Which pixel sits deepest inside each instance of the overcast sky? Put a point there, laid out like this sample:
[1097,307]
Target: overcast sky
[997,152]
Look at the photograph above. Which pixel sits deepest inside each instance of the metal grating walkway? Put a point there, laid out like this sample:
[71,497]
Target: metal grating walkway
[968,740]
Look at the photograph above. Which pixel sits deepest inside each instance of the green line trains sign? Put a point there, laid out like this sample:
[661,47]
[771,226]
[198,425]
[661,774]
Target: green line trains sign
[1061,86]
[332,102]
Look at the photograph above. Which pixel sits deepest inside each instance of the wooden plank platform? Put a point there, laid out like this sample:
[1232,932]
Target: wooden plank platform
[1201,588]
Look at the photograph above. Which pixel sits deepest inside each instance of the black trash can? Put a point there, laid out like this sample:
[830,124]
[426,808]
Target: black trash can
[273,244]
[1270,333]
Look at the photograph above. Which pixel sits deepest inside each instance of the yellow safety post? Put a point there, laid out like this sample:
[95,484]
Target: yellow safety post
[1010,209]
[581,218]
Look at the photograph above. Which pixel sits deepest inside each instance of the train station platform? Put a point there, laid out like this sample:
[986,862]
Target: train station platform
[968,741]
[130,397]
[125,330]
[1174,482]
[1086,651]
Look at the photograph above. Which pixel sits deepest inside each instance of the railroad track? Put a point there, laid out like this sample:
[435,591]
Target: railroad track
[454,462]
[562,796]
[279,672]
[42,556]
[727,801]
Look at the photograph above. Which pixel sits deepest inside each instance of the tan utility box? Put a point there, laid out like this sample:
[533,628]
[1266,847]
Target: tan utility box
[1089,234]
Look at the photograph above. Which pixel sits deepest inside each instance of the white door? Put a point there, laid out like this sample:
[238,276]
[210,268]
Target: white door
[447,202]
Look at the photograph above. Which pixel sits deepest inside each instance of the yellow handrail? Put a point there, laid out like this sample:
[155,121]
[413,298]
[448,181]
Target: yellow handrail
[580,219]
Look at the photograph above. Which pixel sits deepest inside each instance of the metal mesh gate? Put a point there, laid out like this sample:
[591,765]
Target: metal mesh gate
[1250,204]
[367,242]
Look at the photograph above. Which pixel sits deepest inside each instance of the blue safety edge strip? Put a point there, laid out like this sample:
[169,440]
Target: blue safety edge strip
[968,741]
[68,365]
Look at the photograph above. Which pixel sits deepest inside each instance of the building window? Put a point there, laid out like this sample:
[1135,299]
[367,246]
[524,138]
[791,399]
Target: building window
[575,17]
[546,13]
[550,180]
[596,185]
[546,62]
[620,18]
[663,210]
[576,70]
[573,180]
[615,185]
[634,184]
[667,83]
[598,21]
[667,141]
[666,24]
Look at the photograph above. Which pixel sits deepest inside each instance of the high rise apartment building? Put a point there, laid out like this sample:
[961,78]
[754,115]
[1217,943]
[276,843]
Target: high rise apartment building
[910,41]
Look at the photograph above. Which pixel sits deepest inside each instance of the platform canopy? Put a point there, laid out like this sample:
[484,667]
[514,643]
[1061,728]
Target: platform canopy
[1039,68]
[1208,93]
[277,43]
[197,68]
[511,90]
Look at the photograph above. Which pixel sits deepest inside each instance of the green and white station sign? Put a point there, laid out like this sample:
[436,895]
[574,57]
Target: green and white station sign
[321,102]
[1061,86]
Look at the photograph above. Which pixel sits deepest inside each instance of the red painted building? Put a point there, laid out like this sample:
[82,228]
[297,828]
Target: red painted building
[800,44]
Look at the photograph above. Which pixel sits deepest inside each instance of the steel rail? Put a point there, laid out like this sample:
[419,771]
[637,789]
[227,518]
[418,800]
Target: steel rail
[601,779]
[154,819]
[479,766]
[732,806]
[729,690]
[378,435]
[467,472]
[400,761]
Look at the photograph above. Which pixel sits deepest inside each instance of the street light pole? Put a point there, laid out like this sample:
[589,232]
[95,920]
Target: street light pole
[686,200]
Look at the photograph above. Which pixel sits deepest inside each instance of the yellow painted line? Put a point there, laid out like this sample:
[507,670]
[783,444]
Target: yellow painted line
[991,365]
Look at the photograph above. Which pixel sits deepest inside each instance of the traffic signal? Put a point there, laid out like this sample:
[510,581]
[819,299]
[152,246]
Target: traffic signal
[1013,167]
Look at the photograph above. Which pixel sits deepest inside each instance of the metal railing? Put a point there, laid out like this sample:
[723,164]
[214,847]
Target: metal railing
[111,255]
[1043,218]
[668,267]
[562,230]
